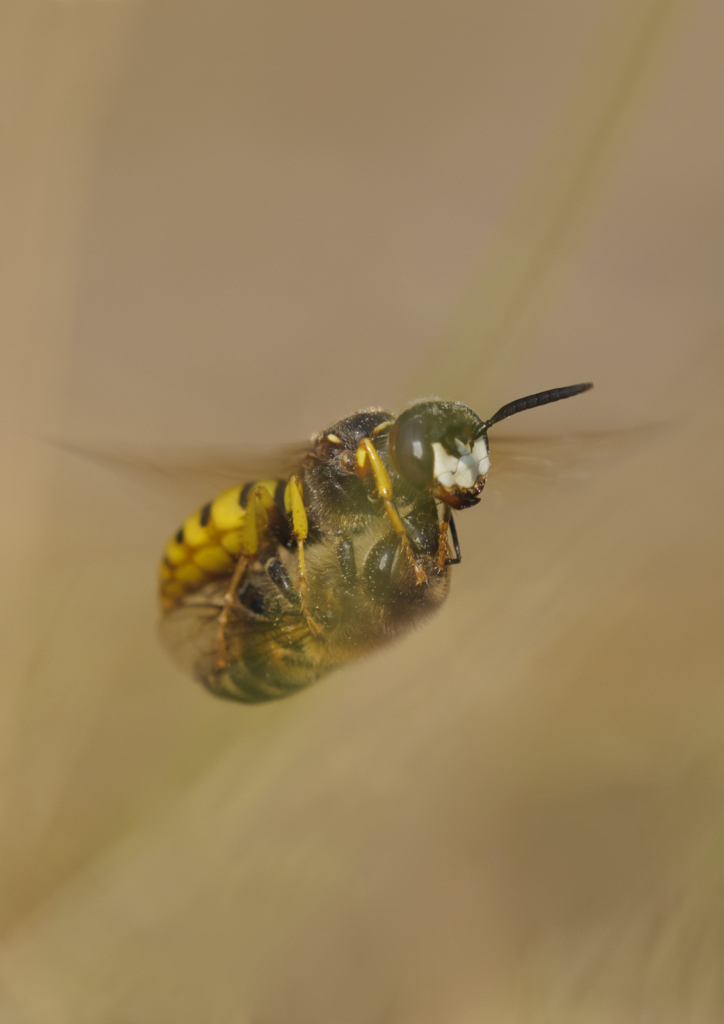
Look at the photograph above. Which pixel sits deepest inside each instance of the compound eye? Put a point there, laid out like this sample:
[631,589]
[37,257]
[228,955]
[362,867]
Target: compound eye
[412,452]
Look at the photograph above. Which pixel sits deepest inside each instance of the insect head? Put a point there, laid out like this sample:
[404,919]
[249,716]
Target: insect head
[441,448]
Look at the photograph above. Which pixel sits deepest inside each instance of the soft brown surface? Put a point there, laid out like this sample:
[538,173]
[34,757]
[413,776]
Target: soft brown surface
[233,223]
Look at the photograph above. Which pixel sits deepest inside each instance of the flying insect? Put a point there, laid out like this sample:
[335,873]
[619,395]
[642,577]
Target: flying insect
[276,582]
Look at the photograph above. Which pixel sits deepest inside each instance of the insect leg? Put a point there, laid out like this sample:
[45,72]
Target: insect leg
[456,544]
[294,503]
[259,505]
[280,578]
[443,558]
[228,602]
[369,461]
[377,568]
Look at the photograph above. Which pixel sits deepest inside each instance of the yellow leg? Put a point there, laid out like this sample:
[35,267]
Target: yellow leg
[369,461]
[294,503]
[259,505]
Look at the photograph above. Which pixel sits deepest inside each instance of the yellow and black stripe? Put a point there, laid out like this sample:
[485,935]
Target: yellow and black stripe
[209,543]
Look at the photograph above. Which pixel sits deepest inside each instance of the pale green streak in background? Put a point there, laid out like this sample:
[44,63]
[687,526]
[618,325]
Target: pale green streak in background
[509,297]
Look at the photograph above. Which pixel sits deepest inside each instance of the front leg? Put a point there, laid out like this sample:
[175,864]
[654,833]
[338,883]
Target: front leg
[456,544]
[443,557]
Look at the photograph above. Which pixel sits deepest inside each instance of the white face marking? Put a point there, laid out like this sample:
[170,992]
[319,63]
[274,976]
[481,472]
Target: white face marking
[480,453]
[450,471]
[444,462]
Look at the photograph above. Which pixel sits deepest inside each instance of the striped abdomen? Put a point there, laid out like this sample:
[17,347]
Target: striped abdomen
[210,541]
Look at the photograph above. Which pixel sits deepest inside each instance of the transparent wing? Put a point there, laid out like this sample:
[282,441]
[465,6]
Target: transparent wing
[189,633]
[262,660]
[196,473]
[565,458]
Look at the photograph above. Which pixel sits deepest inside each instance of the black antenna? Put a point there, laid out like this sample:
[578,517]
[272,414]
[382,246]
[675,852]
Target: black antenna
[531,401]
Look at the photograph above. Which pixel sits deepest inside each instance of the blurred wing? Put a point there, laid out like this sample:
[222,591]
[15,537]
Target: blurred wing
[196,473]
[189,633]
[566,458]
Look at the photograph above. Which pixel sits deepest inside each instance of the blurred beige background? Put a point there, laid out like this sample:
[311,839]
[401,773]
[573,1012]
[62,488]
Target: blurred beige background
[232,223]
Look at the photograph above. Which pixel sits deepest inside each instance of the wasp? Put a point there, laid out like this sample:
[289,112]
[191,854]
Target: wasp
[276,582]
